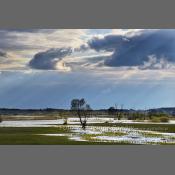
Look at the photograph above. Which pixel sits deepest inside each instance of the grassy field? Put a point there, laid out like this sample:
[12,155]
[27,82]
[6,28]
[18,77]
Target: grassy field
[32,135]
[28,136]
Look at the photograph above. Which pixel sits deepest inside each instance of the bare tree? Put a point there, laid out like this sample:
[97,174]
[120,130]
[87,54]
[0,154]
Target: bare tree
[82,109]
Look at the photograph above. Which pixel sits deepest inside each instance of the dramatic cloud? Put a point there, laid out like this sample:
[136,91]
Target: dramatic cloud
[145,49]
[50,59]
[35,39]
[108,43]
[10,61]
[23,44]
[134,50]
[154,63]
[107,66]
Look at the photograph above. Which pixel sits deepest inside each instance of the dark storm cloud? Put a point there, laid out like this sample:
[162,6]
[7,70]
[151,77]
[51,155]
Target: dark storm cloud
[135,50]
[82,48]
[108,43]
[47,60]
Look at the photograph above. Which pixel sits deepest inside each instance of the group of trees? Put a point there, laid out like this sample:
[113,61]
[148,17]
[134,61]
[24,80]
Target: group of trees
[83,110]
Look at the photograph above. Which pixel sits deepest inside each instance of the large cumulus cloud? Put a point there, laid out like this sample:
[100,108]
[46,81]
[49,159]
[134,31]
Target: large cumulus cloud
[136,50]
[108,43]
[48,59]
[54,58]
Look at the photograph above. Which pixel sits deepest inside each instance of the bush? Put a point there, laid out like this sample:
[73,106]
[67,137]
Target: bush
[155,119]
[160,119]
[164,119]
[139,120]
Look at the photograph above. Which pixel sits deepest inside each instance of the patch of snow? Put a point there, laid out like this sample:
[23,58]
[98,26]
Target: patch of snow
[135,140]
[56,134]
[30,123]
[48,123]
[77,138]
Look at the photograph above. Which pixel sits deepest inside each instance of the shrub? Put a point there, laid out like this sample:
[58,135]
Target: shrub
[139,120]
[155,119]
[164,119]
[160,119]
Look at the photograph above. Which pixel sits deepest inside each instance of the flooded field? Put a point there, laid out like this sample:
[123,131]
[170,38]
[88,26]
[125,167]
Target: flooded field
[100,133]
[71,121]
[118,134]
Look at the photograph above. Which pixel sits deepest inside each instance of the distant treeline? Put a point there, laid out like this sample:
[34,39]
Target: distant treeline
[6,111]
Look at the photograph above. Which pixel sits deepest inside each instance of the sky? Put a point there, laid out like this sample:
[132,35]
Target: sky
[47,68]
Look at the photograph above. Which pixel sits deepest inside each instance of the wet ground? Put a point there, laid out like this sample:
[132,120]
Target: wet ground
[99,133]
